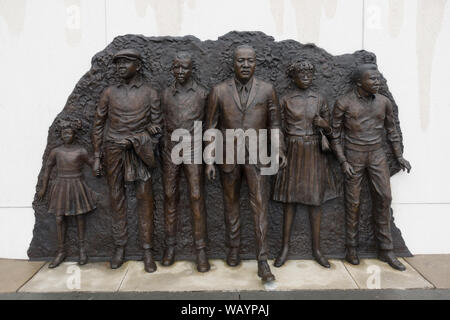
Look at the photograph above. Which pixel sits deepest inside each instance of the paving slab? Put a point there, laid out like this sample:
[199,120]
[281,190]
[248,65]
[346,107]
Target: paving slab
[295,275]
[375,274]
[70,277]
[434,267]
[15,273]
[183,276]
[309,275]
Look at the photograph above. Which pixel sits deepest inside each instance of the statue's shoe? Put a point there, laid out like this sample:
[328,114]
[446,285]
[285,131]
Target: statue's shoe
[60,256]
[352,256]
[281,258]
[169,256]
[321,259]
[233,258]
[389,257]
[117,258]
[264,272]
[149,263]
[202,261]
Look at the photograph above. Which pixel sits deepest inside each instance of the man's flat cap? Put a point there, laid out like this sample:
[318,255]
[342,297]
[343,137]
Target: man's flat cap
[130,54]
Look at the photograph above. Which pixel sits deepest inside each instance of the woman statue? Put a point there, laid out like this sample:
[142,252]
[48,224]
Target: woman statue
[306,179]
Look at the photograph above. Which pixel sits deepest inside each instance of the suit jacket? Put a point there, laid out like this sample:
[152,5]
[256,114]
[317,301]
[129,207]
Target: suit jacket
[262,111]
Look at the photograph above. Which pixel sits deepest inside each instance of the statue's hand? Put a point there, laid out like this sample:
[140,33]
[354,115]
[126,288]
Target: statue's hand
[320,122]
[283,161]
[124,144]
[40,194]
[154,129]
[348,169]
[210,171]
[97,168]
[404,164]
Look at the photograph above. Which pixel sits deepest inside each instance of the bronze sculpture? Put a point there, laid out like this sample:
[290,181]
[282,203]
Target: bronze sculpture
[182,104]
[214,59]
[361,117]
[306,179]
[132,111]
[69,195]
[244,102]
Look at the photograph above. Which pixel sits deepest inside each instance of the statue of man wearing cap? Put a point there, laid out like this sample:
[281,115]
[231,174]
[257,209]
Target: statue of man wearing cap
[132,111]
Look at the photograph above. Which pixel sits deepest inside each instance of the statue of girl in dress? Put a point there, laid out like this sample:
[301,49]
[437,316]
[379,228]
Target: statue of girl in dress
[69,194]
[306,179]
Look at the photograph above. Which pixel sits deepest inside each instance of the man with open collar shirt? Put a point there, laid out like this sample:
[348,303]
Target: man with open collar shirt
[127,115]
[362,117]
[182,105]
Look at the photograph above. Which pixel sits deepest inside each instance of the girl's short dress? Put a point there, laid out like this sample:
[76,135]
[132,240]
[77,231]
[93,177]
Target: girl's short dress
[69,195]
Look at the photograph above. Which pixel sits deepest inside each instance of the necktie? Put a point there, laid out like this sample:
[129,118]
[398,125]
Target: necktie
[244,96]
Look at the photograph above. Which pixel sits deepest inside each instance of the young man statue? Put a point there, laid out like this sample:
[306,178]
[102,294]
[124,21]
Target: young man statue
[182,105]
[362,116]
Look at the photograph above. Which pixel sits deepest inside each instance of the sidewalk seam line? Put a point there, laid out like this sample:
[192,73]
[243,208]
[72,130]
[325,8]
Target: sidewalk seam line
[422,275]
[351,276]
[32,276]
[123,279]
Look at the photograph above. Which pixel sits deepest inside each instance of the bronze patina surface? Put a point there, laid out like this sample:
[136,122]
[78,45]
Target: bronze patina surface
[212,64]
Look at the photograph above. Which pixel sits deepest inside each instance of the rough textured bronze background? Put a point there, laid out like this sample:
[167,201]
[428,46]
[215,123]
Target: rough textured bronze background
[212,64]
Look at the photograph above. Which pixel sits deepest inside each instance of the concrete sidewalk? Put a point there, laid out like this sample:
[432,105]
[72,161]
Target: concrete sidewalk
[427,277]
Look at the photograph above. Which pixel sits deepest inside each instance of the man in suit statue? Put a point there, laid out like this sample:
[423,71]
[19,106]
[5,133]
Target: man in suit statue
[244,102]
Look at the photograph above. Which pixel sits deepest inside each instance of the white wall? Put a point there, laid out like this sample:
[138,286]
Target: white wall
[47,45]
